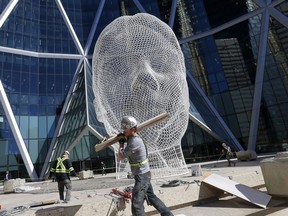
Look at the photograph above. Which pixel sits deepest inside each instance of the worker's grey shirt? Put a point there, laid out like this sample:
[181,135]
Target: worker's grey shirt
[135,151]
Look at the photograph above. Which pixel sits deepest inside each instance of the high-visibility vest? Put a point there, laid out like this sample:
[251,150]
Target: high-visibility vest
[60,167]
[139,164]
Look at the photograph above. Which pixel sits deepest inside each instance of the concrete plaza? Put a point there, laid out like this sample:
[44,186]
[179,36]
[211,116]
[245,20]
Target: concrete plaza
[93,196]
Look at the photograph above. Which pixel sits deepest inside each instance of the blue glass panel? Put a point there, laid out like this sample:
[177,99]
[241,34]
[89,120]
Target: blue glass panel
[26,63]
[51,110]
[34,64]
[51,126]
[42,83]
[50,85]
[55,31]
[160,9]
[42,100]
[15,82]
[43,149]
[232,10]
[3,5]
[81,15]
[33,99]
[42,127]
[13,160]
[34,83]
[33,127]
[92,118]
[33,150]
[24,126]
[86,149]
[33,110]
[110,12]
[14,98]
[24,99]
[32,18]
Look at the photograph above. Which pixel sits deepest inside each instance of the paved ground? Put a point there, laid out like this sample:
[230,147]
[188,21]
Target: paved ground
[233,206]
[99,187]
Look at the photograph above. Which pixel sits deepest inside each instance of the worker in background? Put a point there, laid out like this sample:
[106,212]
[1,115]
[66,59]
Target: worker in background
[61,169]
[103,167]
[7,176]
[228,153]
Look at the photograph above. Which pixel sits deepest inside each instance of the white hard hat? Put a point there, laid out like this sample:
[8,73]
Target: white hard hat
[67,152]
[128,122]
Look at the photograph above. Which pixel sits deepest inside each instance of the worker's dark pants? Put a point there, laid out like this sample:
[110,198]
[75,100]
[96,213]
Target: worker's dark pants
[228,157]
[143,189]
[103,171]
[67,184]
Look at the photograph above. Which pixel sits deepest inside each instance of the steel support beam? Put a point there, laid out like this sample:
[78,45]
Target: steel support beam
[70,27]
[6,12]
[172,13]
[94,26]
[139,6]
[259,81]
[17,134]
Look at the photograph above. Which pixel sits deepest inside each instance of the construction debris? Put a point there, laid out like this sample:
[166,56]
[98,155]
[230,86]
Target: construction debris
[119,199]
[175,183]
[13,211]
[242,191]
[43,203]
[22,189]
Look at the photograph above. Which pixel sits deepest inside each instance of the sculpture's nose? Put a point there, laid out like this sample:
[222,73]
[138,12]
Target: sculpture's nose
[145,76]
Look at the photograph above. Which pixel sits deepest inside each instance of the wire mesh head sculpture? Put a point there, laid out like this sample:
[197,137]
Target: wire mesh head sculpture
[138,70]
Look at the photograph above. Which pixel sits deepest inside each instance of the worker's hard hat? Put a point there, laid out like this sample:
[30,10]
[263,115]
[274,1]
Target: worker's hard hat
[67,152]
[128,122]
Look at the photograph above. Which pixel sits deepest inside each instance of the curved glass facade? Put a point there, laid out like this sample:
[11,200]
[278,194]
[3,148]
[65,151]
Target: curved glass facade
[236,55]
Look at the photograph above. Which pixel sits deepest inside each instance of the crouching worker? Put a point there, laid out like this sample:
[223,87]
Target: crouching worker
[137,154]
[61,170]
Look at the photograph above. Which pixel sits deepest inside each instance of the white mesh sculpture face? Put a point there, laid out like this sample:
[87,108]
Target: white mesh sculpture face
[138,70]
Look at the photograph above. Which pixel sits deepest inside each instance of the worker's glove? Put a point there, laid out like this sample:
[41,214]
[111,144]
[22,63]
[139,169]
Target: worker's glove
[121,138]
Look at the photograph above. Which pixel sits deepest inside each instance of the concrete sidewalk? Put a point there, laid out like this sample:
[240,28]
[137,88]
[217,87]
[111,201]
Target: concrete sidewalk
[93,196]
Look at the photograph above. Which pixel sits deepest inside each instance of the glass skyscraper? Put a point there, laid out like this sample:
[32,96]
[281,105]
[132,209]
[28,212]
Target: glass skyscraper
[236,56]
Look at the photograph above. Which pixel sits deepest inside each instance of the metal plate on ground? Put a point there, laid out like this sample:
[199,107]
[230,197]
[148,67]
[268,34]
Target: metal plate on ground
[242,191]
